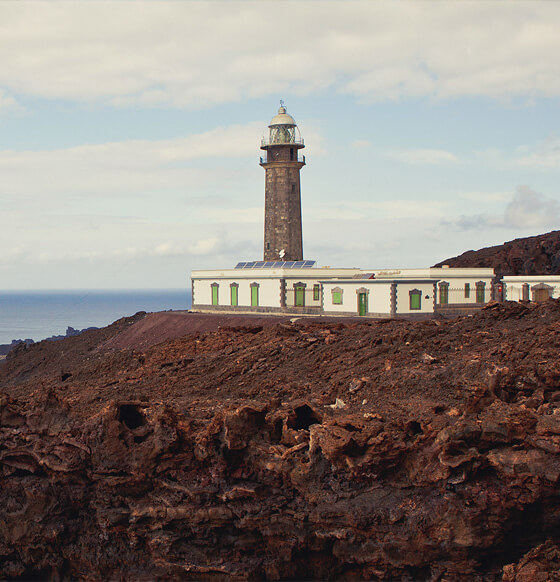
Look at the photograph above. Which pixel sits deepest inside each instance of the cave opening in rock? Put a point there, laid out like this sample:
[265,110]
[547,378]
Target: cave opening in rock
[413,428]
[525,529]
[304,416]
[130,416]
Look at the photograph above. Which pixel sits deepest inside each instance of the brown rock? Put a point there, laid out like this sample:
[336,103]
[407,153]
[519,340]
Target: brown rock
[220,455]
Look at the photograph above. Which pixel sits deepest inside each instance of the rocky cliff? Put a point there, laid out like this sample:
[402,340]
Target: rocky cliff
[362,451]
[535,255]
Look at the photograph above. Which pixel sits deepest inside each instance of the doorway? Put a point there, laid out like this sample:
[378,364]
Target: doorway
[362,304]
[254,295]
[540,295]
[300,295]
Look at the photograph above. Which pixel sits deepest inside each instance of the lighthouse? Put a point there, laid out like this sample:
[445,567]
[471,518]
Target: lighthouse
[282,162]
[284,283]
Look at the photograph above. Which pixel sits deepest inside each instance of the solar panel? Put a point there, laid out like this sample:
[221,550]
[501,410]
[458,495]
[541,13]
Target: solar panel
[274,264]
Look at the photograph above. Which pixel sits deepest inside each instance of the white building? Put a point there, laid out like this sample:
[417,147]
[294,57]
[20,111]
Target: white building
[255,288]
[299,288]
[458,289]
[531,288]
[381,298]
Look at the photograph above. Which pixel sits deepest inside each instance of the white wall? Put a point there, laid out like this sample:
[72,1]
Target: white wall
[309,300]
[379,297]
[513,286]
[269,292]
[403,297]
[202,294]
[457,289]
[513,292]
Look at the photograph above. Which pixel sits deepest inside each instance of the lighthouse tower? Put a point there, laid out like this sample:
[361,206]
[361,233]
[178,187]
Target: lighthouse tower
[282,210]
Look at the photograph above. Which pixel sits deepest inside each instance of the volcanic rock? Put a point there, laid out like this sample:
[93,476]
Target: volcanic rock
[535,255]
[217,455]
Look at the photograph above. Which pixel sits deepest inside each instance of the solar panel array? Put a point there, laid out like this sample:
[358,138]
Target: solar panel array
[364,276]
[275,265]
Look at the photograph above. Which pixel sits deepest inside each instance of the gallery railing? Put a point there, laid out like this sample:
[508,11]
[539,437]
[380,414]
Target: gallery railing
[264,159]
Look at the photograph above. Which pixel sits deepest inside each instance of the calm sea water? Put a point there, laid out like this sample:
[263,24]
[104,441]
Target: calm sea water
[41,314]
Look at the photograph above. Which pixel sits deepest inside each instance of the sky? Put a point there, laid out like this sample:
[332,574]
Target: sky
[130,133]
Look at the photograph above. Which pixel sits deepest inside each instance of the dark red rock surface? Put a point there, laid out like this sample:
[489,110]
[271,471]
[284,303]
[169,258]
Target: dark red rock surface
[363,451]
[535,255]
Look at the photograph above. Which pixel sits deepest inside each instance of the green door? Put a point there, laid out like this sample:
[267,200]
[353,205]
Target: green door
[234,296]
[254,296]
[480,293]
[362,303]
[214,295]
[300,296]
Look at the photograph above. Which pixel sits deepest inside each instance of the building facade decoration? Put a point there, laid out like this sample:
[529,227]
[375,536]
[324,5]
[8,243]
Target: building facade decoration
[415,299]
[337,294]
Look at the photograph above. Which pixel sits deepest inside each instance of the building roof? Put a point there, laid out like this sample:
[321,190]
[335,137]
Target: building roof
[282,118]
[530,278]
[277,273]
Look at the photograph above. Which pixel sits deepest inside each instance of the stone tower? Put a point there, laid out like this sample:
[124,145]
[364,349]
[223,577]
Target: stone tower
[282,208]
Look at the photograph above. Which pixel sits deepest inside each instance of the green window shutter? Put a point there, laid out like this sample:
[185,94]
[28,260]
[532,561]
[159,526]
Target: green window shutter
[316,292]
[234,301]
[337,298]
[467,290]
[214,295]
[415,301]
[254,296]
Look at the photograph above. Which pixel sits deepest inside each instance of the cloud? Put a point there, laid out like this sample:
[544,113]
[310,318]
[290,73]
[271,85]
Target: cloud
[7,103]
[361,144]
[531,209]
[546,155]
[475,222]
[112,214]
[385,209]
[543,156]
[423,157]
[204,246]
[526,209]
[126,167]
[198,54]
[485,196]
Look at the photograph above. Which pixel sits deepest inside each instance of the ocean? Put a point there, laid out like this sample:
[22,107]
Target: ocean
[41,314]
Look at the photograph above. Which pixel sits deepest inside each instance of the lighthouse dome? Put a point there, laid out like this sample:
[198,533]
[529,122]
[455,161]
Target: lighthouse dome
[282,130]
[282,118]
